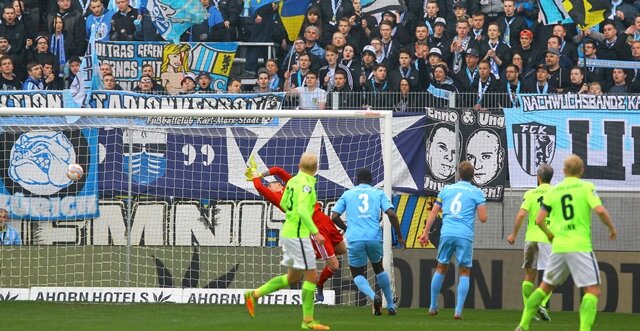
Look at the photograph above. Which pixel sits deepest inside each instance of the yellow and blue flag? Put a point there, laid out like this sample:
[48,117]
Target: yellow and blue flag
[292,13]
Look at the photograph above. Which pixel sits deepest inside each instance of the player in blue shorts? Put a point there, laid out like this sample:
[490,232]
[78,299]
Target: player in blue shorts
[364,205]
[459,203]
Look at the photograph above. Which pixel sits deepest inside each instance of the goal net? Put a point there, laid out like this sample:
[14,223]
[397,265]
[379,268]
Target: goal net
[164,202]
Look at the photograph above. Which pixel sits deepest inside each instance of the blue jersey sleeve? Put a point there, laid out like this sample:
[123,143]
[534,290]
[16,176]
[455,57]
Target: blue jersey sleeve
[340,206]
[385,204]
[480,199]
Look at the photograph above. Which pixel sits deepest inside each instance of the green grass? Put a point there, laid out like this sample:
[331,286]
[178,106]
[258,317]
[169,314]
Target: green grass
[94,317]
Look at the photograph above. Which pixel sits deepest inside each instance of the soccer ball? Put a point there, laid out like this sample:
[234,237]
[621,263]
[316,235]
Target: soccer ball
[75,171]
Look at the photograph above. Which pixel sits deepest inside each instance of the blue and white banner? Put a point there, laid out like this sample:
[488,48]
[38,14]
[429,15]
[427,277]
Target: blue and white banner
[210,165]
[33,168]
[126,100]
[603,130]
[173,17]
[598,63]
[170,62]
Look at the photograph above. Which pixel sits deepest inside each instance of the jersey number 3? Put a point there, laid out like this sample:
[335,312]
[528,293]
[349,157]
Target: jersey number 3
[364,203]
[288,203]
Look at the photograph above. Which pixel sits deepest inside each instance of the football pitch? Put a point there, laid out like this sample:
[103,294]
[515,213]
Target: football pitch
[94,317]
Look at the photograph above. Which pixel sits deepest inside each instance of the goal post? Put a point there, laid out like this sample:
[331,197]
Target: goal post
[353,138]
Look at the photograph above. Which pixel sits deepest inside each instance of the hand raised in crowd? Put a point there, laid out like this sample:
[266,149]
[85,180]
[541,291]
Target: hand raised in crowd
[352,20]
[620,15]
[49,78]
[29,43]
[630,30]
[584,88]
[455,46]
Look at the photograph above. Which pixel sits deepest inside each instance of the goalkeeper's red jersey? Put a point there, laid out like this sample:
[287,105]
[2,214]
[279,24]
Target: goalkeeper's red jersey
[321,220]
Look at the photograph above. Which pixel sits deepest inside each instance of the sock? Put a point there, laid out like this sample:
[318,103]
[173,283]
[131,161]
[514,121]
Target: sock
[527,288]
[324,275]
[276,283]
[546,299]
[385,284]
[463,289]
[588,311]
[530,307]
[436,285]
[363,286]
[308,290]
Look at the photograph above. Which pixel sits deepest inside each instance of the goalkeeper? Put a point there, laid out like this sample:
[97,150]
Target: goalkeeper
[334,243]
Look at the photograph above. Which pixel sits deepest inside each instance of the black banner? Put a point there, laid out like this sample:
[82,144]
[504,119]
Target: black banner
[481,140]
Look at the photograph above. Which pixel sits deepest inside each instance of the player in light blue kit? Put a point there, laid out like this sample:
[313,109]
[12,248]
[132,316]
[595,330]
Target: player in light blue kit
[364,205]
[459,203]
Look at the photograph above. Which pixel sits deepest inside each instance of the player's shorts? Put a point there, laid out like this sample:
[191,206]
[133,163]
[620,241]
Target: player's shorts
[463,249]
[360,251]
[536,255]
[582,266]
[297,253]
[332,238]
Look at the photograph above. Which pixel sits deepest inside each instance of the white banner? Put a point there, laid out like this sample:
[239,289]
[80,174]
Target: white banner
[14,294]
[153,295]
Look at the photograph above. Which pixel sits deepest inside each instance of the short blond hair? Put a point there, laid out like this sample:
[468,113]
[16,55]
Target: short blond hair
[573,166]
[309,162]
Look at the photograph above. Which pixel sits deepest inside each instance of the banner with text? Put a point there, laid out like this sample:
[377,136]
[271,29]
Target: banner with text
[603,130]
[170,62]
[33,168]
[481,140]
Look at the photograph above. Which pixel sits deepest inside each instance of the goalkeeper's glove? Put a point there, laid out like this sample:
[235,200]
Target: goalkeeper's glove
[251,173]
[252,163]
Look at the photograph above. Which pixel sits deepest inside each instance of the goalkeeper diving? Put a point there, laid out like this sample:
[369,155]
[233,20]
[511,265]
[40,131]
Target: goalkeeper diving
[334,243]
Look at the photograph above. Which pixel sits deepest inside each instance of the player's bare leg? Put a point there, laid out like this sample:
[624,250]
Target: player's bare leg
[331,266]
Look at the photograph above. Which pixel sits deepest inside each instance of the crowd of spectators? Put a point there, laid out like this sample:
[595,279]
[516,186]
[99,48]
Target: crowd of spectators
[435,47]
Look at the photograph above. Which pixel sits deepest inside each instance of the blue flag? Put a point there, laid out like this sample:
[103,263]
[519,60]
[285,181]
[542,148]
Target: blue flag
[173,17]
[553,12]
[88,78]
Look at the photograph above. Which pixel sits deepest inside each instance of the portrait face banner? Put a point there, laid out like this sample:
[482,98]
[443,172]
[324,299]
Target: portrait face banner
[480,140]
[603,130]
[169,62]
